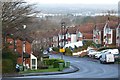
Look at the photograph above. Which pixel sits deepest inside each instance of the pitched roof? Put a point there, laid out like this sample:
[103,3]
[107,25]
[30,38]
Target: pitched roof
[110,24]
[72,30]
[87,36]
[21,35]
[86,28]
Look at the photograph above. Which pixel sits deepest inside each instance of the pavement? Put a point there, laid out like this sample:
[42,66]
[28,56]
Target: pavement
[71,69]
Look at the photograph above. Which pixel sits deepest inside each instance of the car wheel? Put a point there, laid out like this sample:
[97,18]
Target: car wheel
[101,62]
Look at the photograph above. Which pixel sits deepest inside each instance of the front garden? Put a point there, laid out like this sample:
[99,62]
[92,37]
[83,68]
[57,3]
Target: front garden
[49,65]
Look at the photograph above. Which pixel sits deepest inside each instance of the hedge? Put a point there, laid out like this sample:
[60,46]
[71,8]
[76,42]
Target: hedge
[49,61]
[54,62]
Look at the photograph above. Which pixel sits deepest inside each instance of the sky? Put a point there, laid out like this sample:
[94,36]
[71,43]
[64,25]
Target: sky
[74,1]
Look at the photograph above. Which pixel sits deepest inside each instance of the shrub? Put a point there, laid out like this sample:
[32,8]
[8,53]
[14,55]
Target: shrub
[68,52]
[54,62]
[9,60]
[49,61]
[7,66]
[55,49]
[9,54]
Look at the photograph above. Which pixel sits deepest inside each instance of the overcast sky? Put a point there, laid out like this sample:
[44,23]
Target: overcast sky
[74,1]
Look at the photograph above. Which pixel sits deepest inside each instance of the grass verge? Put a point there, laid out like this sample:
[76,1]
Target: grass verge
[40,70]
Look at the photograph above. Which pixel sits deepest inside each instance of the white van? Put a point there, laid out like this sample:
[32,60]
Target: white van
[108,57]
[99,55]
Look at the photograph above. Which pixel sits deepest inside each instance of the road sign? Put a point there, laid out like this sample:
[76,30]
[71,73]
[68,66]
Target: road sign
[62,50]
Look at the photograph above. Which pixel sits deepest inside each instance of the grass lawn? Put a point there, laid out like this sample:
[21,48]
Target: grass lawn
[40,70]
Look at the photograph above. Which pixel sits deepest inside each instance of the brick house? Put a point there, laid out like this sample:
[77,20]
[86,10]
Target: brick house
[109,33]
[98,33]
[21,44]
[105,34]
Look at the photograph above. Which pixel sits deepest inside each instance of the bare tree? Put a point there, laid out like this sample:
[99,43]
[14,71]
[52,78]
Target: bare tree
[16,14]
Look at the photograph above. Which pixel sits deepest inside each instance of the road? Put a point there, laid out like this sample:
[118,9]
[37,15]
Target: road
[88,68]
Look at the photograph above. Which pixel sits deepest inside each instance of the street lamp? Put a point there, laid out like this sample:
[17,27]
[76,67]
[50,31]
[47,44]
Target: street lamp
[23,47]
[63,27]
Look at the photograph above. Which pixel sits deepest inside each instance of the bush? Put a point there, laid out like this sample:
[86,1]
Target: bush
[55,49]
[7,66]
[9,54]
[9,60]
[68,52]
[49,61]
[54,62]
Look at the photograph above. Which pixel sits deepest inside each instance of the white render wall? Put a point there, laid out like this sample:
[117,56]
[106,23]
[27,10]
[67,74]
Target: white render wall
[32,67]
[73,38]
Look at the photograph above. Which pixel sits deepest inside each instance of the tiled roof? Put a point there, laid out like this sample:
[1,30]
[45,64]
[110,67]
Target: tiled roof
[86,28]
[20,34]
[87,36]
[111,24]
[72,30]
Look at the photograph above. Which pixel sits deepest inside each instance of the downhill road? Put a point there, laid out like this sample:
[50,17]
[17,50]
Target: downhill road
[88,68]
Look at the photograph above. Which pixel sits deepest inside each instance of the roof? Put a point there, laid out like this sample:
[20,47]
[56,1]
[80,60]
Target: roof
[21,35]
[110,24]
[72,30]
[87,36]
[86,28]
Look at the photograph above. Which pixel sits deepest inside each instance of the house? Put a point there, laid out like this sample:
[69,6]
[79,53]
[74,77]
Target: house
[105,33]
[98,33]
[21,44]
[87,36]
[118,35]
[55,38]
[86,30]
[70,35]
[109,33]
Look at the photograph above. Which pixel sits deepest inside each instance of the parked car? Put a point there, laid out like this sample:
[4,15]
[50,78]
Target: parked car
[108,57]
[98,55]
[92,53]
[45,54]
[115,52]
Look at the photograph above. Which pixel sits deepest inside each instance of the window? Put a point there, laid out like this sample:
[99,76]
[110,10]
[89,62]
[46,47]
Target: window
[33,61]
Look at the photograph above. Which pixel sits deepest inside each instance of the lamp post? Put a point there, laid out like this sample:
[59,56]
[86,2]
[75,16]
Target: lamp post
[23,47]
[63,27]
[63,39]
